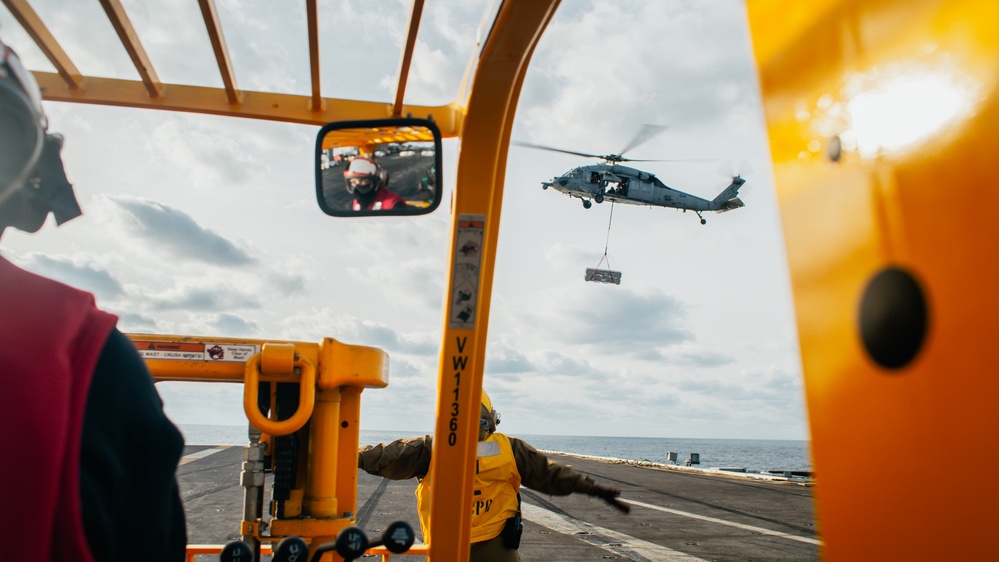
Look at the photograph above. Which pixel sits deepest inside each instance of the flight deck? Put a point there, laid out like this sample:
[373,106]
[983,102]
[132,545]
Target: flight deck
[676,513]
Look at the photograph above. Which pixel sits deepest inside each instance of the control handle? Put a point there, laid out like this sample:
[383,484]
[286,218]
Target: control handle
[236,551]
[351,543]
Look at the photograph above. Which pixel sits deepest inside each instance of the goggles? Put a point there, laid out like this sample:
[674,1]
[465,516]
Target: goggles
[484,422]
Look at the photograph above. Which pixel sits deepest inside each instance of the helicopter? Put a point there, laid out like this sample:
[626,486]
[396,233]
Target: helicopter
[610,181]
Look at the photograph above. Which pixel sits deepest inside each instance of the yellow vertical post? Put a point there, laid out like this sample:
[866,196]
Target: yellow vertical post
[491,104]
[320,490]
[349,430]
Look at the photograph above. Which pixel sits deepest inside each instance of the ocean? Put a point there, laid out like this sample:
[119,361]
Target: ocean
[753,455]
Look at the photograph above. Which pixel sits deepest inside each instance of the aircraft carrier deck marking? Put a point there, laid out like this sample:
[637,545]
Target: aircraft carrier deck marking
[760,530]
[200,455]
[628,544]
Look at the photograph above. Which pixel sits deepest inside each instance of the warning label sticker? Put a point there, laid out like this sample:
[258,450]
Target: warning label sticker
[466,267]
[191,351]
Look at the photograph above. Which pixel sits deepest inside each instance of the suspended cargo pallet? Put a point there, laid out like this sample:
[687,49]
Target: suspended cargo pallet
[603,276]
[597,275]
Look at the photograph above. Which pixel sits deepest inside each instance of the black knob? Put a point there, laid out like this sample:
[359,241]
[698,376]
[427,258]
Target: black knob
[351,543]
[236,551]
[291,549]
[398,537]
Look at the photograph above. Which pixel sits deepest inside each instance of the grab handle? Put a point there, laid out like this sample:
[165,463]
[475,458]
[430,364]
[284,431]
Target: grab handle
[306,397]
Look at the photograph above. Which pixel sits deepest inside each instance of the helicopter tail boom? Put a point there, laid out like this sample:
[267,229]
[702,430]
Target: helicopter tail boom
[729,198]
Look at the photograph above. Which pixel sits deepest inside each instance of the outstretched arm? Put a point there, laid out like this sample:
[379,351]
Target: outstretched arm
[399,460]
[549,477]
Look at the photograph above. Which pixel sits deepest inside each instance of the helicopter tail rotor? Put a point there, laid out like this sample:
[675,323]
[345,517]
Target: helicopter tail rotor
[731,171]
[728,199]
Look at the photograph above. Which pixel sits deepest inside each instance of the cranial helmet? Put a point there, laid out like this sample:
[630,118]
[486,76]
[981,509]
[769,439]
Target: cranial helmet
[488,417]
[364,176]
[32,179]
[23,122]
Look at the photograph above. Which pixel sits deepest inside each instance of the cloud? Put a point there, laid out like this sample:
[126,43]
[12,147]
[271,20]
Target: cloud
[503,363]
[193,298]
[287,282]
[602,69]
[234,325]
[82,275]
[175,231]
[500,359]
[613,321]
[129,321]
[317,324]
[687,355]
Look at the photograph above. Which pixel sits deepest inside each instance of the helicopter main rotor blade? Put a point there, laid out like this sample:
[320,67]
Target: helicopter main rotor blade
[644,135]
[553,149]
[670,160]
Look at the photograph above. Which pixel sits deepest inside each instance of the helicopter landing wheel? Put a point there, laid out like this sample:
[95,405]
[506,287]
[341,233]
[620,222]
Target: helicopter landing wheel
[587,204]
[704,221]
[599,198]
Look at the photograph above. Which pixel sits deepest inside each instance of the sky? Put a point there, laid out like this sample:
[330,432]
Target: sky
[204,225]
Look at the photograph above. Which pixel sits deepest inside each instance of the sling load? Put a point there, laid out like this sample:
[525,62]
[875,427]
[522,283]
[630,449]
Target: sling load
[597,275]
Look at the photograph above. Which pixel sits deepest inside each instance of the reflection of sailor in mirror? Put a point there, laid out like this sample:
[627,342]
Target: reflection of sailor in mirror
[368,183]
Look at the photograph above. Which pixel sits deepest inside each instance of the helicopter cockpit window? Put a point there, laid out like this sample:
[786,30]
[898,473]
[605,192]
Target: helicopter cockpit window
[378,167]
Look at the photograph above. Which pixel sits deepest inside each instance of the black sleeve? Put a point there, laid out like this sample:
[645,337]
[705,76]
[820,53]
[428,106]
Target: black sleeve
[128,461]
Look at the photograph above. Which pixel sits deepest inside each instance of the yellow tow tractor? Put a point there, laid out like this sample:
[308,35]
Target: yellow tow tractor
[887,199]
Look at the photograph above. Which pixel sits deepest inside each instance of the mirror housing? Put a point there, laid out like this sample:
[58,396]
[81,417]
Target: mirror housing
[378,167]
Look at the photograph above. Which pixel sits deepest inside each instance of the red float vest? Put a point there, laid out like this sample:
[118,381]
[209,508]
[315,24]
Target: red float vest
[384,200]
[51,336]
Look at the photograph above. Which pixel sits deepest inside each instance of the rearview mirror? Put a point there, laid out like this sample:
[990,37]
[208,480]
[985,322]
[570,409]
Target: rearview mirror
[378,167]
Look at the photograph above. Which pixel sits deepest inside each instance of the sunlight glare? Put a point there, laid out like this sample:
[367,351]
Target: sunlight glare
[893,113]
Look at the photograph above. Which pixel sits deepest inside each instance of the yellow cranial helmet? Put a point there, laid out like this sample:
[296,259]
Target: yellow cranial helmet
[488,417]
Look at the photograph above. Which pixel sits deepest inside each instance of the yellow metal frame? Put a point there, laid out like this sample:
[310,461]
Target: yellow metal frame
[847,213]
[331,376]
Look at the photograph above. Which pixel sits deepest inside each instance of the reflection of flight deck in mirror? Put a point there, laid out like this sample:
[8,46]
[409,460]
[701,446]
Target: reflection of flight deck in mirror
[369,168]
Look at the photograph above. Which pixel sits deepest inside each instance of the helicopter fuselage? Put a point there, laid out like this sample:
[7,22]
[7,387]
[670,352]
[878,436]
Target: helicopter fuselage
[623,184]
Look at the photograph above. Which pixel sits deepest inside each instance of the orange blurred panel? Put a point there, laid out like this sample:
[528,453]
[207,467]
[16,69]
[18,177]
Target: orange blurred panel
[883,119]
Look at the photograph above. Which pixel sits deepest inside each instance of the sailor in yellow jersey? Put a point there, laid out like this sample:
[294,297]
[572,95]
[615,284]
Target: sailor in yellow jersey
[502,464]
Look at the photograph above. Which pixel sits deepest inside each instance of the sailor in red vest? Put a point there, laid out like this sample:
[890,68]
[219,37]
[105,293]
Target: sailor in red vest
[368,183]
[503,464]
[89,456]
